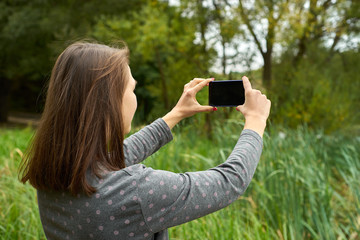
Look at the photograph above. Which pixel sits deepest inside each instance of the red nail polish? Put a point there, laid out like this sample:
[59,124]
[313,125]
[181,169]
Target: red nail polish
[215,108]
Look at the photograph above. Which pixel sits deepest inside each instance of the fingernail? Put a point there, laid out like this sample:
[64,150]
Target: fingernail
[237,109]
[214,108]
[207,84]
[213,78]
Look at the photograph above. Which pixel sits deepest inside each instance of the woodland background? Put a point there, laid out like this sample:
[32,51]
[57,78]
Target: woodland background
[303,54]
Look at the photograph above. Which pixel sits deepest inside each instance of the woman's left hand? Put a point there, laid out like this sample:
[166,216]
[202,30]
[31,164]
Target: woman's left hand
[187,105]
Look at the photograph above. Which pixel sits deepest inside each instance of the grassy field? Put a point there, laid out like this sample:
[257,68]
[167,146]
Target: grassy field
[306,185]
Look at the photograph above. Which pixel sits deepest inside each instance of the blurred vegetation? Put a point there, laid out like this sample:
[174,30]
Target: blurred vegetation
[309,51]
[306,185]
[319,92]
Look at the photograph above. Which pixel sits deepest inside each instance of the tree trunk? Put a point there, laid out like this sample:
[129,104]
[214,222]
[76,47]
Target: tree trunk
[311,21]
[163,80]
[219,17]
[224,56]
[301,51]
[203,26]
[267,70]
[4,99]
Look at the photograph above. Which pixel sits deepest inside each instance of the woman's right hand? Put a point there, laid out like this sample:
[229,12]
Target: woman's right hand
[256,108]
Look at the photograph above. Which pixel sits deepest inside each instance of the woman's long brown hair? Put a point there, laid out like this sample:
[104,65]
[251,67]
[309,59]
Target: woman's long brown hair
[81,127]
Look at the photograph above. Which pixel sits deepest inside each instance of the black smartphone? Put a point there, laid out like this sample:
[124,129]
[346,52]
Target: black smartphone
[226,93]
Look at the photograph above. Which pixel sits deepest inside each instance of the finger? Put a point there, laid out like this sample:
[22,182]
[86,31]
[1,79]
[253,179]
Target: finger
[202,84]
[238,108]
[198,79]
[206,109]
[246,83]
[186,86]
[195,81]
[208,83]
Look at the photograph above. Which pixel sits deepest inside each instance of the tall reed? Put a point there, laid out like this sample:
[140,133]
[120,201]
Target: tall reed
[306,185]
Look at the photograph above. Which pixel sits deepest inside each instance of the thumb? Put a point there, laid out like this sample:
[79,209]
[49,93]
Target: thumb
[246,83]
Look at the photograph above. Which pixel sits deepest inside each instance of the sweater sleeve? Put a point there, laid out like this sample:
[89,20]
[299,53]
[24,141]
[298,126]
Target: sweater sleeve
[147,141]
[169,199]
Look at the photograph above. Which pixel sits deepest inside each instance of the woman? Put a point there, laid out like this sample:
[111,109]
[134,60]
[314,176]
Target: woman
[88,178]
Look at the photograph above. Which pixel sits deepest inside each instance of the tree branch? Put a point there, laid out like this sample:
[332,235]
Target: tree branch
[251,29]
[281,11]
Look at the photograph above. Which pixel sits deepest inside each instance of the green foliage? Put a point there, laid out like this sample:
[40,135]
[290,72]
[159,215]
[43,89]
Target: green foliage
[305,186]
[164,56]
[33,33]
[23,54]
[172,44]
[322,91]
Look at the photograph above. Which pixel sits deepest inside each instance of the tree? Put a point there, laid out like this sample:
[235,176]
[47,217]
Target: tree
[313,83]
[24,55]
[164,55]
[228,29]
[33,33]
[323,21]
[262,20]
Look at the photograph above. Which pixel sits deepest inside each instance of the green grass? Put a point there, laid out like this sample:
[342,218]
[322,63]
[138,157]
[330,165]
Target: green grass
[306,185]
[19,218]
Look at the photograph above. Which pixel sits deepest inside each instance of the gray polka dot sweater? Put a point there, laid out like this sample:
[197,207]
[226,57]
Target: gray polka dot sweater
[139,202]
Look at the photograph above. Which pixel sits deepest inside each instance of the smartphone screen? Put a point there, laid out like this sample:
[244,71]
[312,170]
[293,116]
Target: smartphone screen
[226,93]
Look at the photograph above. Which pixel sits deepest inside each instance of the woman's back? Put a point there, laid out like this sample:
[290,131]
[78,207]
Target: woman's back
[139,202]
[111,212]
[114,210]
